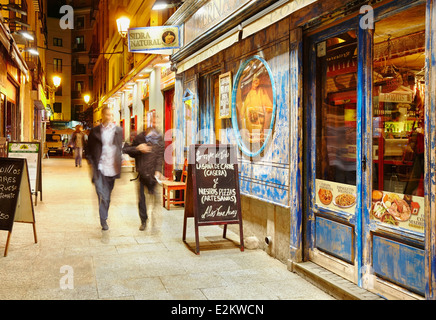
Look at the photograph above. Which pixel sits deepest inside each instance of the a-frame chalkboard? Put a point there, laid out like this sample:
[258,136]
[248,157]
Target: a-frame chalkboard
[31,151]
[15,196]
[212,190]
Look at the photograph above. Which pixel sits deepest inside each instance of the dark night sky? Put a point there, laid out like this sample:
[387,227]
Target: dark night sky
[53,7]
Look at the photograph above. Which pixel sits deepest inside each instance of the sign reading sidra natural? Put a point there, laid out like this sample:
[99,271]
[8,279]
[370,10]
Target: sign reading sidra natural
[153,38]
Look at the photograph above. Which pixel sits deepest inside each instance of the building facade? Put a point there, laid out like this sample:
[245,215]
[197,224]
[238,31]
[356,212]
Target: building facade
[24,105]
[81,71]
[58,58]
[129,83]
[331,106]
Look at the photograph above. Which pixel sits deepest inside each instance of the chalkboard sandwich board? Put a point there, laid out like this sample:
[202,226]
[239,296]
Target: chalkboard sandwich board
[31,151]
[212,191]
[15,196]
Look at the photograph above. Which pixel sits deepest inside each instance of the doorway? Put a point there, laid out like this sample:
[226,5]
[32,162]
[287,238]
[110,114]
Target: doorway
[364,141]
[169,104]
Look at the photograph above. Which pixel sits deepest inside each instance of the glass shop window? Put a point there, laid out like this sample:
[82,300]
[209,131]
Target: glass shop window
[336,98]
[398,119]
[336,109]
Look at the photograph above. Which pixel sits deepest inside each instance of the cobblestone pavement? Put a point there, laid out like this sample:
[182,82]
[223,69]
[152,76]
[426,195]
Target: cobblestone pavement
[125,263]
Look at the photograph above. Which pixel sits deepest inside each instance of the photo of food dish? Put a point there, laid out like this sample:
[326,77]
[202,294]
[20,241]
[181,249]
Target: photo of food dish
[377,195]
[389,219]
[378,209]
[325,196]
[345,200]
[397,207]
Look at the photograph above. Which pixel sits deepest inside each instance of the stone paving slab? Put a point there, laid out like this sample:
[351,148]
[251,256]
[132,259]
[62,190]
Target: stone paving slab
[125,263]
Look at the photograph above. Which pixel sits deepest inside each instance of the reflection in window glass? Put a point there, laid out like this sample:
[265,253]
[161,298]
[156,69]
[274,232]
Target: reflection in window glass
[398,119]
[336,109]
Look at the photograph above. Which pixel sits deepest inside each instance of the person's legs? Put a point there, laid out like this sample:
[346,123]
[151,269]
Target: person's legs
[142,206]
[79,156]
[76,152]
[104,186]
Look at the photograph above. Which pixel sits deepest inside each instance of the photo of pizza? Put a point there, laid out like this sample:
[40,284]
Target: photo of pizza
[325,196]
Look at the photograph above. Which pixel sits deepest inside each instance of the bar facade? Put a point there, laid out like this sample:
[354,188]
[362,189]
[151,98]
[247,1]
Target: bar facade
[331,106]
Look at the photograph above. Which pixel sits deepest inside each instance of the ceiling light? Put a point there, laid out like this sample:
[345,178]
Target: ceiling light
[32,51]
[17,21]
[25,34]
[13,7]
[160,6]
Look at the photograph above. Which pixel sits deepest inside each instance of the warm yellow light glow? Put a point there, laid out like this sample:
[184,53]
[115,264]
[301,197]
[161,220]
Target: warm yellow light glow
[123,23]
[86,97]
[56,81]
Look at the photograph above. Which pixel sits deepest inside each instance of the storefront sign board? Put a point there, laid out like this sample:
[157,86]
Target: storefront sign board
[209,15]
[153,38]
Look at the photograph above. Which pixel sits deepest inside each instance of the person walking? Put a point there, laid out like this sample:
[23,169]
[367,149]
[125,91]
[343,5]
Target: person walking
[148,150]
[103,151]
[78,140]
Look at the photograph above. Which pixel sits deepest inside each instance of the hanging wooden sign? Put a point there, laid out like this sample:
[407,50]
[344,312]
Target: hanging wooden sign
[15,196]
[212,190]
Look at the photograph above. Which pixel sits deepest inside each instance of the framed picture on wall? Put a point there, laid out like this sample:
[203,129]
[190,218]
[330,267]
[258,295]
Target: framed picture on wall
[253,105]
[225,95]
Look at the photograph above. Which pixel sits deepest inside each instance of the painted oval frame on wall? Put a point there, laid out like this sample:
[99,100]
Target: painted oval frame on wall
[269,94]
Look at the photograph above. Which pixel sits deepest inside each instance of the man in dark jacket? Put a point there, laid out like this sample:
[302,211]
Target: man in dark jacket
[148,150]
[103,151]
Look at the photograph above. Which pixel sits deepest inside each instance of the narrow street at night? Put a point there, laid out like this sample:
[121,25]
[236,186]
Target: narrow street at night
[215,150]
[126,263]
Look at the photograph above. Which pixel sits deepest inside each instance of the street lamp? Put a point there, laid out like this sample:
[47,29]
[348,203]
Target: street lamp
[86,97]
[56,81]
[123,22]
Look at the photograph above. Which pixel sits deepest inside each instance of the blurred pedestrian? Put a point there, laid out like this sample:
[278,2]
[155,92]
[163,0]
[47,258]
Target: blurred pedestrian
[78,141]
[103,151]
[148,150]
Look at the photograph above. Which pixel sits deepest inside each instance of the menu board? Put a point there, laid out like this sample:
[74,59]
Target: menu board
[336,196]
[216,185]
[15,197]
[10,179]
[225,95]
[212,190]
[31,152]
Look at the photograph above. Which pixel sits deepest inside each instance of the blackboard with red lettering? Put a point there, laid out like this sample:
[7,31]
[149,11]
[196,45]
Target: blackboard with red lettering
[213,195]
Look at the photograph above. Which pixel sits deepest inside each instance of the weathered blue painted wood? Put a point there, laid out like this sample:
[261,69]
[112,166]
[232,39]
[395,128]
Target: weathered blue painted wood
[399,263]
[310,137]
[265,174]
[430,155]
[335,238]
[364,149]
[296,142]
